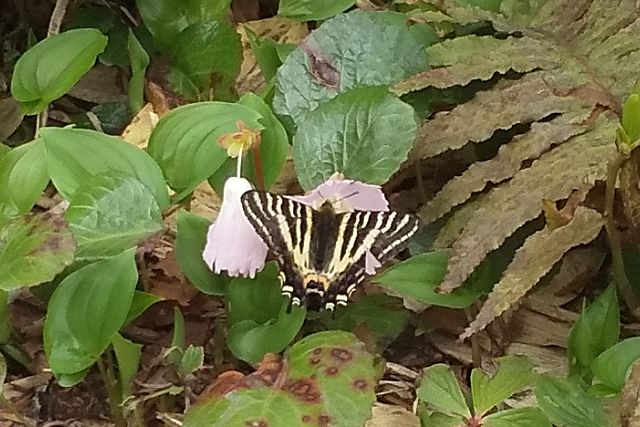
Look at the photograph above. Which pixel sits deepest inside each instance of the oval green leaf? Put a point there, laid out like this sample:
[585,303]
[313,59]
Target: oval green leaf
[312,10]
[274,147]
[191,237]
[612,366]
[76,155]
[365,134]
[440,390]
[109,214]
[326,379]
[185,141]
[23,177]
[51,67]
[567,404]
[33,250]
[360,48]
[86,311]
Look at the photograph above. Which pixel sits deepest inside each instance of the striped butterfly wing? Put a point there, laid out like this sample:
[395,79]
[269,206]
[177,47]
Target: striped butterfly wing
[285,227]
[381,235]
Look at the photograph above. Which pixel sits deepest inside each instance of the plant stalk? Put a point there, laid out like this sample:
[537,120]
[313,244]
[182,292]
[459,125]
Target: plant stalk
[617,262]
[110,382]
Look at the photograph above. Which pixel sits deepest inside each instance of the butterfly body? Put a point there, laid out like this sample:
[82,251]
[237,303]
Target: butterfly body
[323,253]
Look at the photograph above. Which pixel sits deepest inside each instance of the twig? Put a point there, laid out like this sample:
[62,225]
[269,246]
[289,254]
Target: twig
[617,262]
[59,10]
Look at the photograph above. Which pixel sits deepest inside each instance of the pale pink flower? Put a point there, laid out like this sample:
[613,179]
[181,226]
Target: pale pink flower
[232,243]
[346,195]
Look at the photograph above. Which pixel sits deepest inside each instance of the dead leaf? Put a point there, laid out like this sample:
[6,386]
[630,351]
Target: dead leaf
[10,117]
[532,261]
[630,405]
[139,130]
[630,190]
[392,415]
[99,85]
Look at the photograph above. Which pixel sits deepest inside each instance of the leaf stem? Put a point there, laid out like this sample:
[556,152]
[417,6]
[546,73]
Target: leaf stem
[617,262]
[257,161]
[110,382]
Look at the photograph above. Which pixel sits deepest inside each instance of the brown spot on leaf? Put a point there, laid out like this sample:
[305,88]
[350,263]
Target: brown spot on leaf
[305,390]
[321,68]
[341,354]
[331,370]
[306,418]
[360,384]
[323,420]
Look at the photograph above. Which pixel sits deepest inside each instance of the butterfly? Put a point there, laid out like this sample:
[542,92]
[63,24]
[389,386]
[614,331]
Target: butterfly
[323,254]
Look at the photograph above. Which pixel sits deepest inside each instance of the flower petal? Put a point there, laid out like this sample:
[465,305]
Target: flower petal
[232,243]
[346,195]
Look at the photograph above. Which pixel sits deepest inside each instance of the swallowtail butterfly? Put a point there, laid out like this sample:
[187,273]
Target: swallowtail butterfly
[322,253]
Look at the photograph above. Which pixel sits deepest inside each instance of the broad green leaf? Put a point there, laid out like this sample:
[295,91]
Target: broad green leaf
[4,149]
[166,19]
[5,320]
[69,380]
[364,133]
[49,69]
[111,213]
[312,10]
[326,378]
[86,311]
[34,249]
[209,53]
[140,303]
[360,48]
[438,419]
[513,374]
[76,155]
[631,117]
[519,417]
[128,357]
[191,238]
[191,360]
[139,60]
[440,390]
[597,329]
[23,177]
[419,277]
[185,141]
[258,316]
[567,404]
[612,367]
[274,147]
[381,314]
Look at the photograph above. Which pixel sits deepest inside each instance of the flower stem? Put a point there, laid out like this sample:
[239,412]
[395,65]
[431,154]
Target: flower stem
[257,161]
[617,262]
[110,382]
[239,165]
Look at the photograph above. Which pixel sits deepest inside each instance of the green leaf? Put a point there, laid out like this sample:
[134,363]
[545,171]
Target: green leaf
[139,62]
[69,380]
[266,52]
[140,303]
[419,277]
[364,133]
[49,69]
[258,316]
[631,117]
[191,360]
[33,250]
[386,53]
[86,311]
[519,417]
[381,314]
[438,419]
[185,141]
[567,404]
[178,339]
[491,5]
[439,388]
[191,237]
[166,19]
[597,329]
[23,177]
[5,320]
[612,366]
[128,356]
[513,374]
[4,150]
[109,214]
[76,155]
[312,10]
[326,377]
[274,147]
[209,54]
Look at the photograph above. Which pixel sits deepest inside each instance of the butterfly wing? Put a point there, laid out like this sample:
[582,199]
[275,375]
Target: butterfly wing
[379,234]
[284,226]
